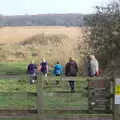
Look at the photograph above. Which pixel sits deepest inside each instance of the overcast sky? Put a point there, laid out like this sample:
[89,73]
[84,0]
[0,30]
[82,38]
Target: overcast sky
[18,7]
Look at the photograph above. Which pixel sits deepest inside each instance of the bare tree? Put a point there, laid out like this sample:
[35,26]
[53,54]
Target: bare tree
[104,31]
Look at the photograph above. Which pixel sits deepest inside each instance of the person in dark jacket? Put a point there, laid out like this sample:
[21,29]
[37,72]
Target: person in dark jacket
[43,69]
[58,70]
[71,69]
[32,72]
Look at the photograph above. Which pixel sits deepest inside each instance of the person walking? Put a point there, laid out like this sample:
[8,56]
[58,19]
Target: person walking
[58,70]
[32,72]
[71,69]
[43,69]
[92,66]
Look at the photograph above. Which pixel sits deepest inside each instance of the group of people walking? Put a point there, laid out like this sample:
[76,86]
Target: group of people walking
[70,69]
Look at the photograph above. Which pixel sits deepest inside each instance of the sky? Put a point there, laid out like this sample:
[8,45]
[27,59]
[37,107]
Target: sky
[20,7]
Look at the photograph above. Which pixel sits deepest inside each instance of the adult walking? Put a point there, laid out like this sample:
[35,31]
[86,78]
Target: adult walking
[43,69]
[32,72]
[92,66]
[71,69]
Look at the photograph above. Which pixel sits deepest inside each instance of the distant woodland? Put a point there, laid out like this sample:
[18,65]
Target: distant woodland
[43,20]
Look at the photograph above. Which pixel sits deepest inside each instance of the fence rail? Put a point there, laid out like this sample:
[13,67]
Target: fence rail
[54,99]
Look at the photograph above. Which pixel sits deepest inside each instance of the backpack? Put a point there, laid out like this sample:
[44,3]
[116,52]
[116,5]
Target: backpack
[57,69]
[32,68]
[73,69]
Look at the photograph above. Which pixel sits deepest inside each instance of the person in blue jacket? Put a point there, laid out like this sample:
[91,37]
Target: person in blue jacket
[58,70]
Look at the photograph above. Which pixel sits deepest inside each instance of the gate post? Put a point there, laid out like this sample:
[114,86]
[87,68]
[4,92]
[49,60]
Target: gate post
[40,106]
[116,99]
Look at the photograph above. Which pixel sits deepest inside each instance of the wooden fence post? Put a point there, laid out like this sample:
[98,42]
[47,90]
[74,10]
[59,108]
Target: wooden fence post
[40,105]
[116,108]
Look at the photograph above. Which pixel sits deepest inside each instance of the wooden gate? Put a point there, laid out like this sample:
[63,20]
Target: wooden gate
[97,91]
[100,94]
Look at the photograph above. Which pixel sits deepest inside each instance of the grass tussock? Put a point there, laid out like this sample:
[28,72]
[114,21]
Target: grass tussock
[43,39]
[55,44]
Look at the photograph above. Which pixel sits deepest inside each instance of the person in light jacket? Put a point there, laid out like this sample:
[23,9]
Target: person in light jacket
[92,66]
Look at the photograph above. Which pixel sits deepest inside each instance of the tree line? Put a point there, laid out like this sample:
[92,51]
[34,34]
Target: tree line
[43,20]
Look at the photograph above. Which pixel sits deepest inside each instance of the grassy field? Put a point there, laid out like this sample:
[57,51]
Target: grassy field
[14,93]
[17,34]
[14,80]
[26,43]
[13,68]
[17,93]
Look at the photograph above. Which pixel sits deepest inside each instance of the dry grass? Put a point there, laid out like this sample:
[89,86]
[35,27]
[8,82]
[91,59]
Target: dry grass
[26,43]
[17,34]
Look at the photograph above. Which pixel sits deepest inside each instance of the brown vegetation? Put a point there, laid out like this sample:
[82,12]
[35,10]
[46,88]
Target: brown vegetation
[26,43]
